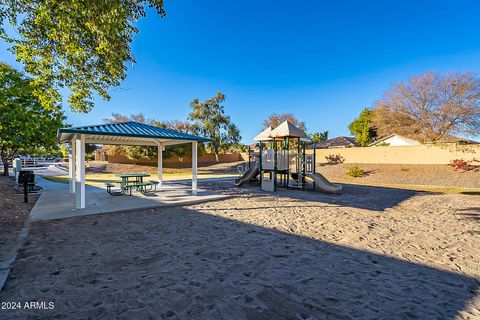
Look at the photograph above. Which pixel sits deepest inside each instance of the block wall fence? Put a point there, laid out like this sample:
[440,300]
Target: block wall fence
[185,162]
[423,154]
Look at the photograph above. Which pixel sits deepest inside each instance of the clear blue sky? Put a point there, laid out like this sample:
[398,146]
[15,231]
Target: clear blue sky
[321,60]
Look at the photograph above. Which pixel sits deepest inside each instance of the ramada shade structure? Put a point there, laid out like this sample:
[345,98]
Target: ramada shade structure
[121,133]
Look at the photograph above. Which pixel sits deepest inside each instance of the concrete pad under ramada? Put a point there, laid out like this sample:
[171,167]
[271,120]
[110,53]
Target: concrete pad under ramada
[59,203]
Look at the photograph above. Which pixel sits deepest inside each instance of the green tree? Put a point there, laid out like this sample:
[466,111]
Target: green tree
[209,119]
[133,152]
[319,136]
[24,122]
[141,152]
[181,150]
[64,150]
[362,128]
[82,45]
[54,151]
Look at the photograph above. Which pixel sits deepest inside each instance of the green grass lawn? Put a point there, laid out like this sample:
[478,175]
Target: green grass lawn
[96,179]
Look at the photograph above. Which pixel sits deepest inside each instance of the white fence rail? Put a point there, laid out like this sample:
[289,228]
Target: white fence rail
[33,162]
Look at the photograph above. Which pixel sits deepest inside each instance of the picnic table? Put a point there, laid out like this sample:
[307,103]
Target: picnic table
[128,178]
[131,181]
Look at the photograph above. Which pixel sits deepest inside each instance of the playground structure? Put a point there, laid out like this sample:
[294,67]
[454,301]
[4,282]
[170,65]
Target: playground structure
[252,171]
[282,162]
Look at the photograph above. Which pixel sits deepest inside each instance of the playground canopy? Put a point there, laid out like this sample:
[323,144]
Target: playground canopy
[264,135]
[124,133]
[287,130]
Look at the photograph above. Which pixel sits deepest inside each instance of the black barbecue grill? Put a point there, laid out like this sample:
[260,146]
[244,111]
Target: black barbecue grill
[26,178]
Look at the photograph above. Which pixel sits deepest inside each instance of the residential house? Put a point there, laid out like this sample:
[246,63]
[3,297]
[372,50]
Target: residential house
[337,142]
[395,140]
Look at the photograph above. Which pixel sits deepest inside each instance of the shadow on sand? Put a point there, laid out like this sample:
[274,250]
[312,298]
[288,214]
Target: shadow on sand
[353,196]
[470,213]
[179,263]
[471,193]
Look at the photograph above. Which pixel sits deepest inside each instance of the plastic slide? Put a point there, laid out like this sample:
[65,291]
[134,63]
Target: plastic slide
[247,176]
[323,184]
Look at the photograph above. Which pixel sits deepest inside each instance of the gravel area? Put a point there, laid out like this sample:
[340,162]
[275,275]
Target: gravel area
[13,212]
[429,175]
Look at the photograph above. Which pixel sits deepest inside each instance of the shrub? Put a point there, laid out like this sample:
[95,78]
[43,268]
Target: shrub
[334,159]
[356,172]
[460,164]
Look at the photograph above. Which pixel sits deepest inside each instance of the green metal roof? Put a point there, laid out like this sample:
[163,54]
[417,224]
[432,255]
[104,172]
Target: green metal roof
[130,129]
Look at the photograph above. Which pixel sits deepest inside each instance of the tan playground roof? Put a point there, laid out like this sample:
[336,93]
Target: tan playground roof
[287,130]
[264,135]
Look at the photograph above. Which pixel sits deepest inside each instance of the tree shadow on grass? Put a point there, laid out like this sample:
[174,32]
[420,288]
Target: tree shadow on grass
[181,263]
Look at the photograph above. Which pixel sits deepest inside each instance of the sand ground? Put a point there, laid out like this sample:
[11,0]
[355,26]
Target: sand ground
[370,253]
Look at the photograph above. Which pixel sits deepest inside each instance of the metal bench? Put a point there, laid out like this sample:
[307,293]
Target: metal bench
[109,186]
[144,187]
[154,184]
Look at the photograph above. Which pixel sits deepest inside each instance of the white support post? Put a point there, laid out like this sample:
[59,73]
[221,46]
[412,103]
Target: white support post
[160,164]
[80,171]
[71,166]
[194,168]
[17,164]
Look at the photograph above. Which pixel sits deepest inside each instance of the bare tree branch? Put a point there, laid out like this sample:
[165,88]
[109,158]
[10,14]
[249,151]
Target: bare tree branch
[430,107]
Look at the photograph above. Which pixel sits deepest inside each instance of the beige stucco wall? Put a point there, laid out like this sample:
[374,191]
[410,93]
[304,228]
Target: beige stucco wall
[422,154]
[204,159]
